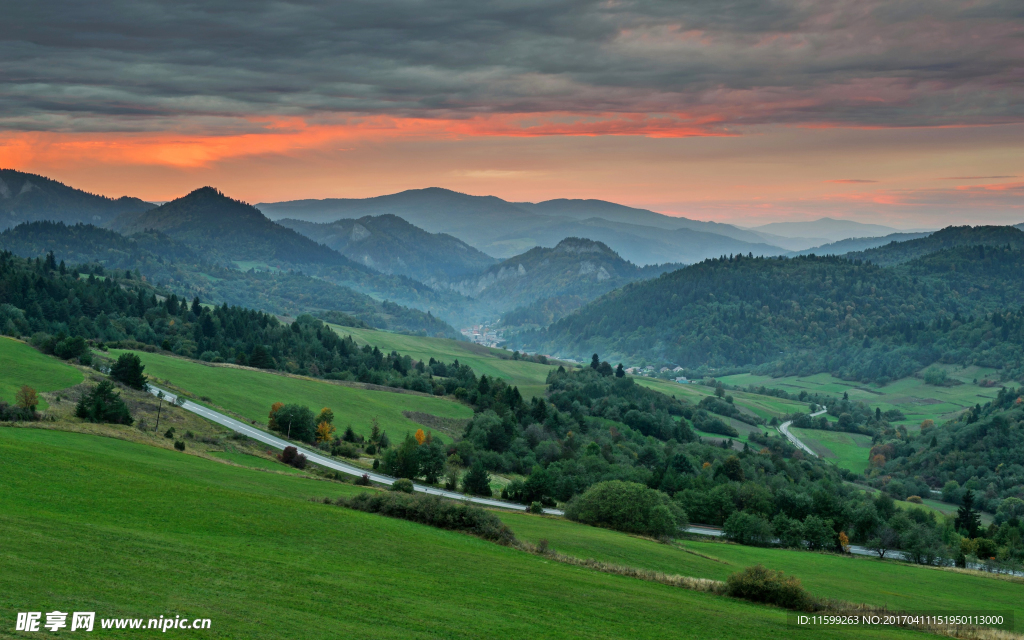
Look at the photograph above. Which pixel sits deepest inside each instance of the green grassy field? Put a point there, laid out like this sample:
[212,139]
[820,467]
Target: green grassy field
[528,376]
[850,578]
[765,407]
[846,450]
[127,530]
[20,364]
[917,400]
[250,393]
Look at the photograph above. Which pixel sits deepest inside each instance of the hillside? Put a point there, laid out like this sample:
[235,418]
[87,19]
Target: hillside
[900,252]
[391,245]
[843,247]
[505,229]
[805,315]
[574,267]
[175,268]
[25,197]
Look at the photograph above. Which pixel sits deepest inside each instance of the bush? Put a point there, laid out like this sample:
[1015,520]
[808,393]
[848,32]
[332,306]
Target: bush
[363,480]
[403,484]
[103,404]
[345,450]
[434,511]
[179,445]
[477,481]
[291,456]
[69,348]
[128,371]
[627,506]
[536,507]
[759,584]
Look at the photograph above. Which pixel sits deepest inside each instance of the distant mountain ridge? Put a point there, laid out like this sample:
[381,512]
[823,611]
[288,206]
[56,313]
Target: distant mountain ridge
[392,245]
[504,229]
[830,228]
[900,252]
[849,245]
[26,197]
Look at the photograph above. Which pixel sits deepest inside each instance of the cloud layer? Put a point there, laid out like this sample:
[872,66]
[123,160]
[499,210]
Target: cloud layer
[531,67]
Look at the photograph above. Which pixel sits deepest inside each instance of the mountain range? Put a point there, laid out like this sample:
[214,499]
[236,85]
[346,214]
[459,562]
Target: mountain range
[829,228]
[503,229]
[25,197]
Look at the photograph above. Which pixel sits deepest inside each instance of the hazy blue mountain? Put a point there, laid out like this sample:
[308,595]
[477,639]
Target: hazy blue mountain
[858,244]
[504,229]
[576,267]
[829,228]
[389,244]
[25,197]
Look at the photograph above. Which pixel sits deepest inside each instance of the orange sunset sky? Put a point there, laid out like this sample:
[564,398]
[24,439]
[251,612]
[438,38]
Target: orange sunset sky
[908,114]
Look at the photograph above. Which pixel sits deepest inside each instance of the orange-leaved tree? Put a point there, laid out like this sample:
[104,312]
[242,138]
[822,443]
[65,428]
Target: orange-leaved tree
[844,542]
[420,436]
[272,420]
[324,432]
[26,397]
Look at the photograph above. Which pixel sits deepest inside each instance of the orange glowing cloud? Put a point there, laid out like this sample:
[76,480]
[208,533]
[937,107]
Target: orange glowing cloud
[281,136]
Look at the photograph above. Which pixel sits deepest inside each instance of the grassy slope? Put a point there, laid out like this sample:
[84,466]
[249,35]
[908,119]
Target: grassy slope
[917,400]
[854,579]
[847,450]
[94,523]
[21,364]
[250,393]
[528,376]
[763,406]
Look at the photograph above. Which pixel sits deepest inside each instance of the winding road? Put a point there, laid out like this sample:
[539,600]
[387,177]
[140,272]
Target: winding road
[326,461]
[784,428]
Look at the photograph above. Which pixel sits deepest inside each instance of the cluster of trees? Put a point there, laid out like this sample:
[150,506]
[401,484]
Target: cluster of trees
[24,409]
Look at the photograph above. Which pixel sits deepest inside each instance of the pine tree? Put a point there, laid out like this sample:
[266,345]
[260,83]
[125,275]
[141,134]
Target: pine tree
[967,518]
[128,371]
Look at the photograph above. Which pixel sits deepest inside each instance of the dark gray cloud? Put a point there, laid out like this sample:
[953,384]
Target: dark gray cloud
[127,65]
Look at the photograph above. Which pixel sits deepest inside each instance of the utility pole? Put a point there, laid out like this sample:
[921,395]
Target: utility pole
[159,405]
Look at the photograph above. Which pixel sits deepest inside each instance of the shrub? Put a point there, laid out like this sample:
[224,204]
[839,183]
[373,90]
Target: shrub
[345,449]
[536,507]
[759,584]
[169,434]
[179,445]
[363,480]
[434,511]
[70,348]
[915,499]
[291,456]
[403,484]
[627,506]
[128,371]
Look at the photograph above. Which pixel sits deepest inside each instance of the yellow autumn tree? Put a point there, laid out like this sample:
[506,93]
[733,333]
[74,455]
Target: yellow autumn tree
[26,397]
[926,425]
[326,415]
[272,419]
[844,542]
[420,436]
[324,432]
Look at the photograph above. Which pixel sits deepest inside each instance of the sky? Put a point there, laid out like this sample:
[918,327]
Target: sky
[901,112]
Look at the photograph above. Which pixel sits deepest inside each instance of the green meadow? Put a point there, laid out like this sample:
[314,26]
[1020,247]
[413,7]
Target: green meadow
[528,376]
[766,407]
[250,394]
[851,578]
[127,530]
[846,450]
[20,364]
[917,400]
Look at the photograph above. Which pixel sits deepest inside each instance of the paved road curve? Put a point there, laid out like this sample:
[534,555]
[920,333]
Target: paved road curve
[784,428]
[323,461]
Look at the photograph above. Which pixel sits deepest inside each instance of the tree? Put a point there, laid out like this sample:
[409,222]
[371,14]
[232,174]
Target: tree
[272,418]
[326,415]
[719,390]
[374,431]
[260,358]
[605,369]
[431,458]
[819,533]
[420,436]
[297,422]
[967,518]
[324,432]
[103,404]
[619,371]
[627,506]
[886,539]
[402,461]
[733,469]
[477,481]
[595,362]
[128,371]
[26,398]
[747,528]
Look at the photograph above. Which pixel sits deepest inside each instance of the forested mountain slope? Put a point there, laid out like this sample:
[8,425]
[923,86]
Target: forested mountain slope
[899,252]
[807,315]
[165,261]
[25,197]
[842,247]
[391,245]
